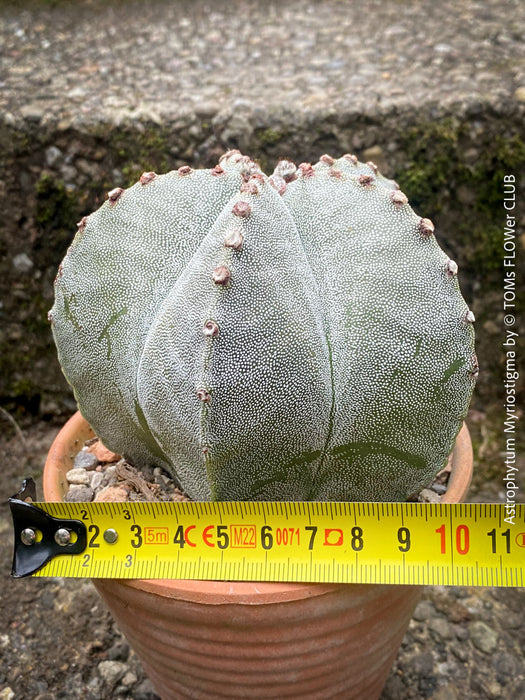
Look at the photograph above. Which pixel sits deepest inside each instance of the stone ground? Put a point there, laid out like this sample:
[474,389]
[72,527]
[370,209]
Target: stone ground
[93,93]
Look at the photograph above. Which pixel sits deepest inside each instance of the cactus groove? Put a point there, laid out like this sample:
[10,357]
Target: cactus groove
[294,337]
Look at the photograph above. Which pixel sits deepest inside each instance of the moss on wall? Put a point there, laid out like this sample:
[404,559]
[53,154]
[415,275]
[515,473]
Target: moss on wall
[451,169]
[443,180]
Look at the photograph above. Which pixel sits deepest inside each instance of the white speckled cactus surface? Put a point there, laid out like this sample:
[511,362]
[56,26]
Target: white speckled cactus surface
[294,337]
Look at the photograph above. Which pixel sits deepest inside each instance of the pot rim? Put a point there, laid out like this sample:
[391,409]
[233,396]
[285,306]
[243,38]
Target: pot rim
[77,430]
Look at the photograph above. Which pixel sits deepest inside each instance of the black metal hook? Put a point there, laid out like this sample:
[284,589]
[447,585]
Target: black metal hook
[38,534]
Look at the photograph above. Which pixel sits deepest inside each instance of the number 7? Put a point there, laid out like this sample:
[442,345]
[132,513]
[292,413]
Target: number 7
[313,533]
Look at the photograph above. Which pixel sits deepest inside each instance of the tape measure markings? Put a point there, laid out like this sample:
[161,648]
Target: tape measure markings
[404,543]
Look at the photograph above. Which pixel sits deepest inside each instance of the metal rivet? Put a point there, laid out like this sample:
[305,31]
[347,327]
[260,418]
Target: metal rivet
[242,209]
[470,318]
[398,199]
[28,536]
[203,395]
[145,178]
[114,195]
[425,227]
[62,536]
[234,239]
[211,329]
[110,536]
[451,268]
[221,275]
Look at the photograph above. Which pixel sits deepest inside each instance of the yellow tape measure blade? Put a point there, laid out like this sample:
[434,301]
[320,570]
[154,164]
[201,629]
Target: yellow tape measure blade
[396,543]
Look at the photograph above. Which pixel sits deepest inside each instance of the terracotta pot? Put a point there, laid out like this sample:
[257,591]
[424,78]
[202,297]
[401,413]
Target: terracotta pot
[216,639]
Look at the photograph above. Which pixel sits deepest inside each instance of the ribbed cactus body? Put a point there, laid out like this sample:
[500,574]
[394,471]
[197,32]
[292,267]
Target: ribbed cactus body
[286,338]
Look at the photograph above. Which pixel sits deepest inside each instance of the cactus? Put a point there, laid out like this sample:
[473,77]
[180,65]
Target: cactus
[294,337]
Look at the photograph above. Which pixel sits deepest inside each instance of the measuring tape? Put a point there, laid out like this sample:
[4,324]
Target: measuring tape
[395,543]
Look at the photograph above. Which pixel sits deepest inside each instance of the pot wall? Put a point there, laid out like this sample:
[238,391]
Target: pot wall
[207,639]
[321,642]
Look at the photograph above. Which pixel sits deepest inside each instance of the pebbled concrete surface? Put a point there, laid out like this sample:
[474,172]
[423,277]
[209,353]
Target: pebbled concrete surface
[158,61]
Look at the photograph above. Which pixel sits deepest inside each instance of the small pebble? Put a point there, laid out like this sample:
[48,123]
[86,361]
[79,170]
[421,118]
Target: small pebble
[440,629]
[462,633]
[446,692]
[422,664]
[53,155]
[507,666]
[119,651]
[129,679]
[483,637]
[424,611]
[428,496]
[97,479]
[102,453]
[112,671]
[460,652]
[110,472]
[145,691]
[79,494]
[112,494]
[85,460]
[458,613]
[519,94]
[78,477]
[22,263]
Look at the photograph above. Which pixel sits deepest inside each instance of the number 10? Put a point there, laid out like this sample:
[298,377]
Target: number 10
[462,539]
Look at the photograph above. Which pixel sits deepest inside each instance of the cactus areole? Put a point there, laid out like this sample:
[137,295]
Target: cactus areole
[300,336]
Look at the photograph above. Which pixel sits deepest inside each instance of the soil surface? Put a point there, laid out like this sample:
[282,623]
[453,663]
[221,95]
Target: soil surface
[58,642]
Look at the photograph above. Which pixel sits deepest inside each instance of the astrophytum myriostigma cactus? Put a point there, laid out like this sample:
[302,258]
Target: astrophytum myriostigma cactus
[294,337]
